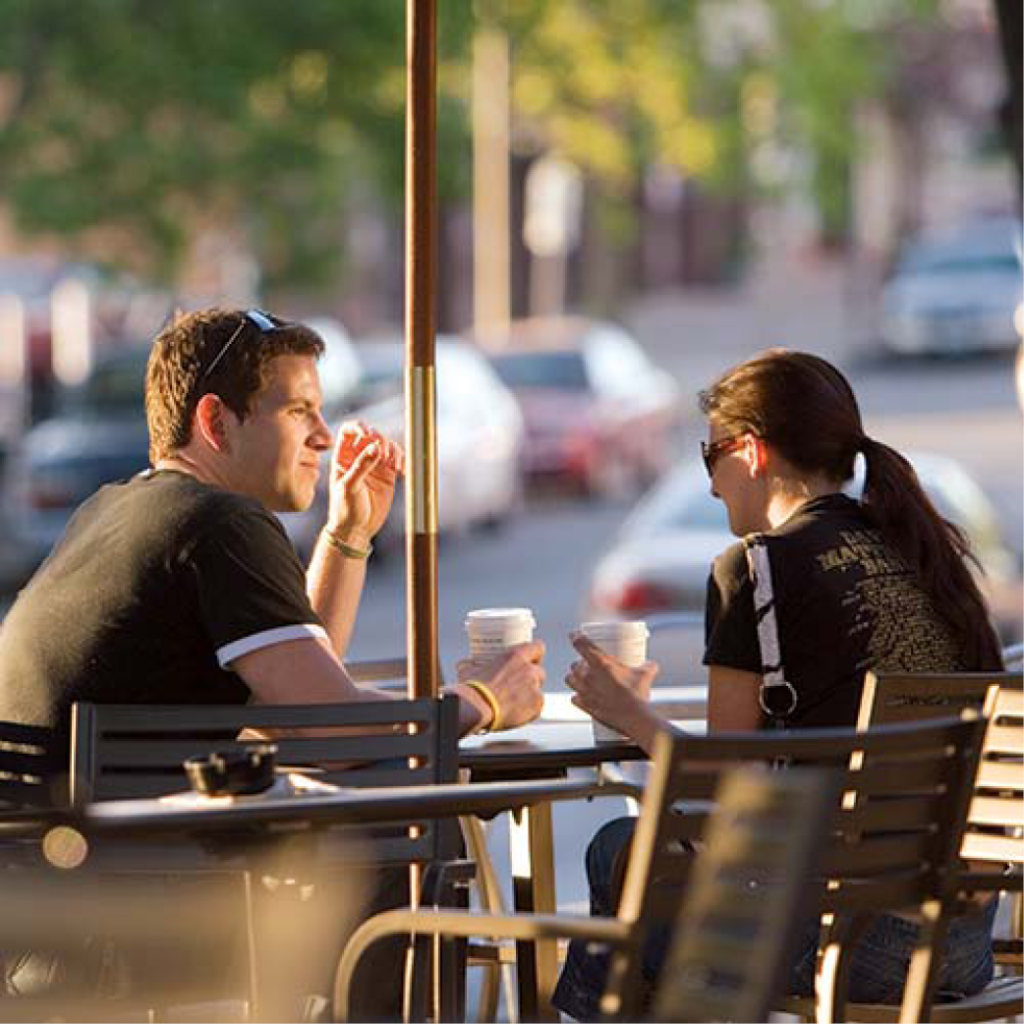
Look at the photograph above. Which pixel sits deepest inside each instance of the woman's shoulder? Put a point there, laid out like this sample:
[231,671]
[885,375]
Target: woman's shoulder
[730,567]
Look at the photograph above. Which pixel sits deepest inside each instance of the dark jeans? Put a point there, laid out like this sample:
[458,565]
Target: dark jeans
[878,969]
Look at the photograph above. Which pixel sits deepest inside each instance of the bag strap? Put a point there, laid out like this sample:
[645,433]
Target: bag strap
[776,696]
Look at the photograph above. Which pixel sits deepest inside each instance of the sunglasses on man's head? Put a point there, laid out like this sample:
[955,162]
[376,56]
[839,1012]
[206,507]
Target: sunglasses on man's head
[712,452]
[256,317]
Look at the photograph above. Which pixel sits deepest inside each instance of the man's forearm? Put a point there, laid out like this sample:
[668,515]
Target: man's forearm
[334,584]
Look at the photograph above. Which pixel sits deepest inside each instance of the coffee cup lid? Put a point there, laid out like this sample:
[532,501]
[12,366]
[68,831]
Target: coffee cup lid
[633,630]
[494,618]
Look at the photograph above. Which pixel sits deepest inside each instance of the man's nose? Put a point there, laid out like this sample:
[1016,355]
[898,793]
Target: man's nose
[321,439]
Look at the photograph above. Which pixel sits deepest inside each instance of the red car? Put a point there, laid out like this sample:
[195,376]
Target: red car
[599,415]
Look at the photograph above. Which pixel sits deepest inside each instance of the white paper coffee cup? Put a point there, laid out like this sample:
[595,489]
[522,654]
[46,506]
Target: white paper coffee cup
[624,641]
[492,631]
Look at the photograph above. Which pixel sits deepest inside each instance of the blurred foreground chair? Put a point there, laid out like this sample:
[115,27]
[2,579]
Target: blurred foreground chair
[993,841]
[747,893]
[125,751]
[894,839]
[65,932]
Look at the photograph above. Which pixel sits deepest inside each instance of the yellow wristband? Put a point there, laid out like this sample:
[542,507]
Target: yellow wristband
[346,549]
[485,691]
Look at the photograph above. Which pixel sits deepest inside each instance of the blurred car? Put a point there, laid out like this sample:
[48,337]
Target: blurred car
[599,414]
[99,436]
[479,440]
[660,560]
[957,293]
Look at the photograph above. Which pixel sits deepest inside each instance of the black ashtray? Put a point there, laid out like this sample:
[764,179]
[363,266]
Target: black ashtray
[233,772]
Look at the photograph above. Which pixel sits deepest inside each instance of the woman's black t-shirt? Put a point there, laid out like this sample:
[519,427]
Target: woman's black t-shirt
[846,602]
[158,584]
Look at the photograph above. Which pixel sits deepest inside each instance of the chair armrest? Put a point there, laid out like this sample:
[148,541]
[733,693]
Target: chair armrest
[466,924]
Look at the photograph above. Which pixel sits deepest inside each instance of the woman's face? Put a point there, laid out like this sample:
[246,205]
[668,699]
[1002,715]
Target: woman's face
[737,478]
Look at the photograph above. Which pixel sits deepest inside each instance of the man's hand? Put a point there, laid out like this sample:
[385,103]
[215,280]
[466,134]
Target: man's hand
[516,679]
[610,691]
[365,467]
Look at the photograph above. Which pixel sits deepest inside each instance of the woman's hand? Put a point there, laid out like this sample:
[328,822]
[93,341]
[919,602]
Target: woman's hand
[610,691]
[365,466]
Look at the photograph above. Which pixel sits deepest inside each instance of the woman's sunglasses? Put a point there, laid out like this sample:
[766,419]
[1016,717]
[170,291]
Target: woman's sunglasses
[712,452]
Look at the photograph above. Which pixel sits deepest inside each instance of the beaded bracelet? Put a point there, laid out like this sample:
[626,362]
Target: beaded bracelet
[346,549]
[485,691]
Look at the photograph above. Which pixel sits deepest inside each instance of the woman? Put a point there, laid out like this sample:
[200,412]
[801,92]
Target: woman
[877,584]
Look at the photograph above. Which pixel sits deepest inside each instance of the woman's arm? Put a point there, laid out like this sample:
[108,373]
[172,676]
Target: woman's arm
[732,700]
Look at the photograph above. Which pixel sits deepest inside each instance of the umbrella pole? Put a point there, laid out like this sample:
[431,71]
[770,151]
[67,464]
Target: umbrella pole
[420,292]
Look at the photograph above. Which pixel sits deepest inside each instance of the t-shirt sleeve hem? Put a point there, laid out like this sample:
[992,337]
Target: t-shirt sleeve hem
[267,638]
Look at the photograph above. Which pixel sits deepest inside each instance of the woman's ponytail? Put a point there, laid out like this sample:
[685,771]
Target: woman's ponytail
[936,550]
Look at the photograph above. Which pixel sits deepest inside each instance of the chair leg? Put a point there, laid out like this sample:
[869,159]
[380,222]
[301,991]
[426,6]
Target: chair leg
[499,975]
[832,978]
[919,991]
[488,1006]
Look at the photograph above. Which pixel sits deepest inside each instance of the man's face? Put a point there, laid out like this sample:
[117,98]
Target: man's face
[274,454]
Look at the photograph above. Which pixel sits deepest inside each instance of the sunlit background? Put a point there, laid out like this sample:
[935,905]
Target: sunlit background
[633,195]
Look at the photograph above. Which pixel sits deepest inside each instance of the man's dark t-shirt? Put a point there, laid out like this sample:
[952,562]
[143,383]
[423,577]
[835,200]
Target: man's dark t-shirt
[158,584]
[846,602]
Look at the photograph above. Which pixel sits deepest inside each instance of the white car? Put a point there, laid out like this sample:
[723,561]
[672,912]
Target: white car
[659,562]
[958,293]
[479,440]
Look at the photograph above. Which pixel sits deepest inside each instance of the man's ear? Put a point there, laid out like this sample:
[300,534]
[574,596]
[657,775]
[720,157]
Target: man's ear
[210,421]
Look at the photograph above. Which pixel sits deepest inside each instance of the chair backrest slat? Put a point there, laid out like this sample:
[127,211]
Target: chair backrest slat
[25,759]
[1001,849]
[996,810]
[891,697]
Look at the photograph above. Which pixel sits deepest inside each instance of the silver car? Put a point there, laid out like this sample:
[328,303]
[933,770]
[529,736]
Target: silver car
[957,293]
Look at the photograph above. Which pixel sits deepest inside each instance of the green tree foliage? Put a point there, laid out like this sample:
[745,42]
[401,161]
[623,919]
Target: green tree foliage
[127,124]
[147,119]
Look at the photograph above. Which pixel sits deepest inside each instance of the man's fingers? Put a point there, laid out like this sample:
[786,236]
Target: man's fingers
[365,463]
[533,651]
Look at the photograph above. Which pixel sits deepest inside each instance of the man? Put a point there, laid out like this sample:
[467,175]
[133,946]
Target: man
[180,585]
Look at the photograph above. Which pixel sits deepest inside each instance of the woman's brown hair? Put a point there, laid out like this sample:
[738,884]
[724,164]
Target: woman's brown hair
[805,408]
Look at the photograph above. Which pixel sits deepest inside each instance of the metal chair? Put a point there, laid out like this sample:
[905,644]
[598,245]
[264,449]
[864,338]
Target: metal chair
[894,838]
[121,751]
[993,842]
[891,697]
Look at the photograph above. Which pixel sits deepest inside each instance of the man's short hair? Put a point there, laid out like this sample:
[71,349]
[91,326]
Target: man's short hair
[189,360]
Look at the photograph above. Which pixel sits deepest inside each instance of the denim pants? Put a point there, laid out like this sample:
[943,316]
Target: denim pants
[878,969]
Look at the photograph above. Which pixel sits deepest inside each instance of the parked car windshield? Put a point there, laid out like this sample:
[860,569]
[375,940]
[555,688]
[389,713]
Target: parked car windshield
[682,502]
[563,370]
[953,263]
[114,387]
